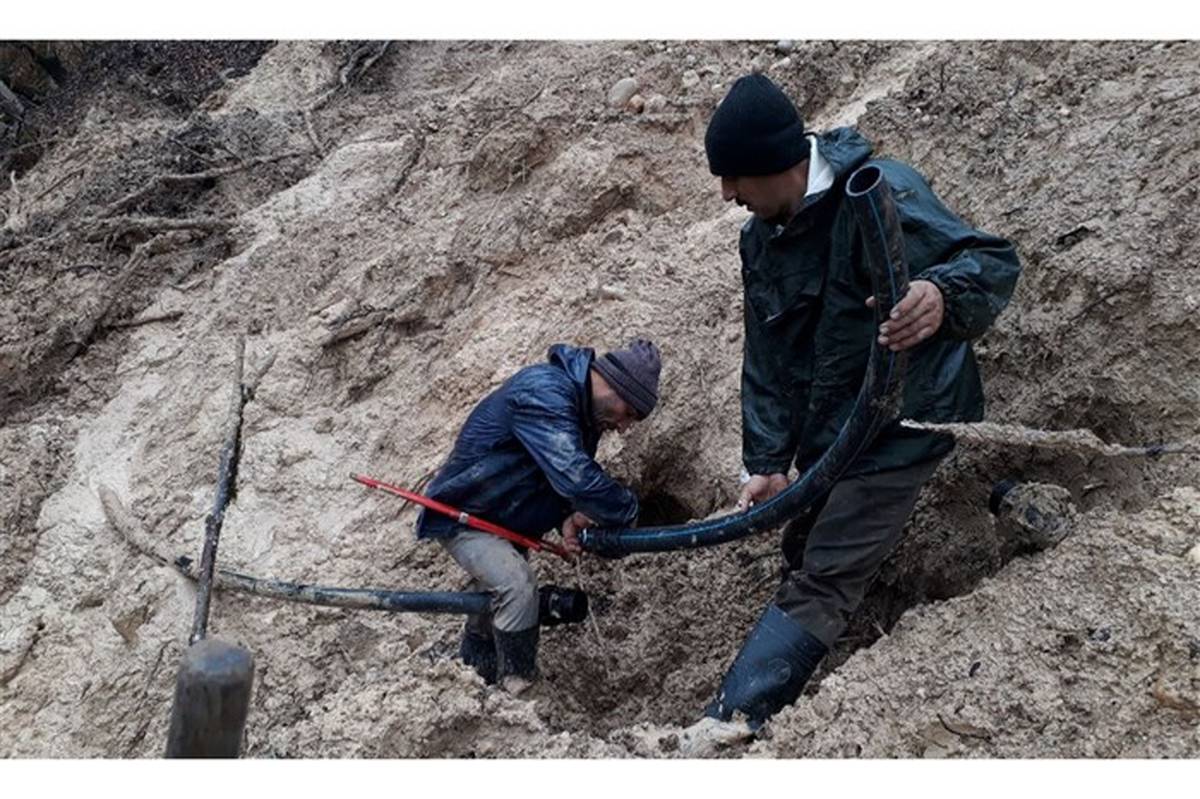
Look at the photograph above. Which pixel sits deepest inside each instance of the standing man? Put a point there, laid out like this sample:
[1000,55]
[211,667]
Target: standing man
[525,459]
[808,326]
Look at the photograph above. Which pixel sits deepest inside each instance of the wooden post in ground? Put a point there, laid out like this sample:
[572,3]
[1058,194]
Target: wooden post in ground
[212,699]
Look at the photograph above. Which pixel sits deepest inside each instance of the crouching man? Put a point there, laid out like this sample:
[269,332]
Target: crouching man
[525,460]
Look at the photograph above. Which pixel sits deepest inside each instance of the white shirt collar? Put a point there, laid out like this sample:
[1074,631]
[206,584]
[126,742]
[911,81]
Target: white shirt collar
[820,173]
[820,176]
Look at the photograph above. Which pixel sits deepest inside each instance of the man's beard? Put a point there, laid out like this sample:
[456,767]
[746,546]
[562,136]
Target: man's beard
[780,218]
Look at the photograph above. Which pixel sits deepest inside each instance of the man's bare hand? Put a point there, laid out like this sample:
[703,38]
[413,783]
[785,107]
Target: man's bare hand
[570,531]
[761,488]
[915,318]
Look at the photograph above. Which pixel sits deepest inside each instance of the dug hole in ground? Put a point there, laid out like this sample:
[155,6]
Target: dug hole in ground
[398,230]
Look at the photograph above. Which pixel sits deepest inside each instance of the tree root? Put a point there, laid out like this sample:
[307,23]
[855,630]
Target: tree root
[100,228]
[14,218]
[1077,441]
[359,62]
[181,179]
[167,316]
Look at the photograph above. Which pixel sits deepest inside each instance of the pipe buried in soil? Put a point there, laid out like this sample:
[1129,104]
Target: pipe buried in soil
[877,403]
[556,605]
[356,598]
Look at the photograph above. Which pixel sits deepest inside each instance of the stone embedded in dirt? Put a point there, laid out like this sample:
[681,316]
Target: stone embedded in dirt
[708,736]
[783,63]
[656,103]
[689,79]
[1034,516]
[636,104]
[1194,554]
[621,91]
[785,45]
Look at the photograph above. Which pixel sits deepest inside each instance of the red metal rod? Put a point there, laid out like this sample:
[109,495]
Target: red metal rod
[462,517]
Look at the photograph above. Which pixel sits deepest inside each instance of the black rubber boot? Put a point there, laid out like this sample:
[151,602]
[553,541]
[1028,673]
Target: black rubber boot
[770,670]
[516,654]
[479,651]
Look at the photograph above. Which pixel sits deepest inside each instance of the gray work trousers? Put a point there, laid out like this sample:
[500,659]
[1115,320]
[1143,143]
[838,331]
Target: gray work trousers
[835,550]
[497,567]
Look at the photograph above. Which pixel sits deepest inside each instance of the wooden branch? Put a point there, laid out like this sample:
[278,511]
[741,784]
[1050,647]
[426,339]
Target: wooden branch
[168,316]
[77,268]
[69,176]
[353,326]
[95,322]
[93,229]
[29,145]
[158,224]
[226,489]
[208,174]
[375,56]
[312,132]
[14,219]
[1077,441]
[351,71]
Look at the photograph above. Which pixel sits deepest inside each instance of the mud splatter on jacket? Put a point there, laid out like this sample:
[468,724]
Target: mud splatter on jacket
[525,457]
[808,332]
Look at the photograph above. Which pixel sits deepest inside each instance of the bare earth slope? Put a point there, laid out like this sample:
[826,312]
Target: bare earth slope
[401,230]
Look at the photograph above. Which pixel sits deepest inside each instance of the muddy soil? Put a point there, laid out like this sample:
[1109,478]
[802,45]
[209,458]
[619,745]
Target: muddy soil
[402,229]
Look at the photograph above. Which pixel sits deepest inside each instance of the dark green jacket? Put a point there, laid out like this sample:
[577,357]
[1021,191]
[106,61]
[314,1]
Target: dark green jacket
[808,331]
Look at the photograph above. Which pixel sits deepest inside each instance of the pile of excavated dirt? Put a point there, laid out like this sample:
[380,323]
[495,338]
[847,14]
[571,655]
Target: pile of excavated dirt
[401,229]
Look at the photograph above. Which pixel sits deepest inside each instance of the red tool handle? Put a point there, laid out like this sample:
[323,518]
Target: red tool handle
[462,517]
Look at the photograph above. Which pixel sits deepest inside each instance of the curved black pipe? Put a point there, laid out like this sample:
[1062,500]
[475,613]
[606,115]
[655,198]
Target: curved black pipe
[877,403]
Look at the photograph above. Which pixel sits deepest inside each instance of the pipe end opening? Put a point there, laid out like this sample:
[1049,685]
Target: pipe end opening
[864,180]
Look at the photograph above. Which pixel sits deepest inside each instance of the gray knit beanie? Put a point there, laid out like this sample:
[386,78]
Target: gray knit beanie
[633,374]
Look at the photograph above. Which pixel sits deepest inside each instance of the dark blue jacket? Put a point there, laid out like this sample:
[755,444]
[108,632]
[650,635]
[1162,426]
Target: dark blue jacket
[526,456]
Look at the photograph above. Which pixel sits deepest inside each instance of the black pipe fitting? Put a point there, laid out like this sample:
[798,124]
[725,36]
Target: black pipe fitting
[557,605]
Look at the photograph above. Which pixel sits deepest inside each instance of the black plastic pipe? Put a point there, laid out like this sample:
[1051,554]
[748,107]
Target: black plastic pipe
[877,403]
[453,602]
[464,603]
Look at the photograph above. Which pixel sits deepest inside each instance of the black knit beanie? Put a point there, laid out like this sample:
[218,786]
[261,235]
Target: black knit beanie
[755,131]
